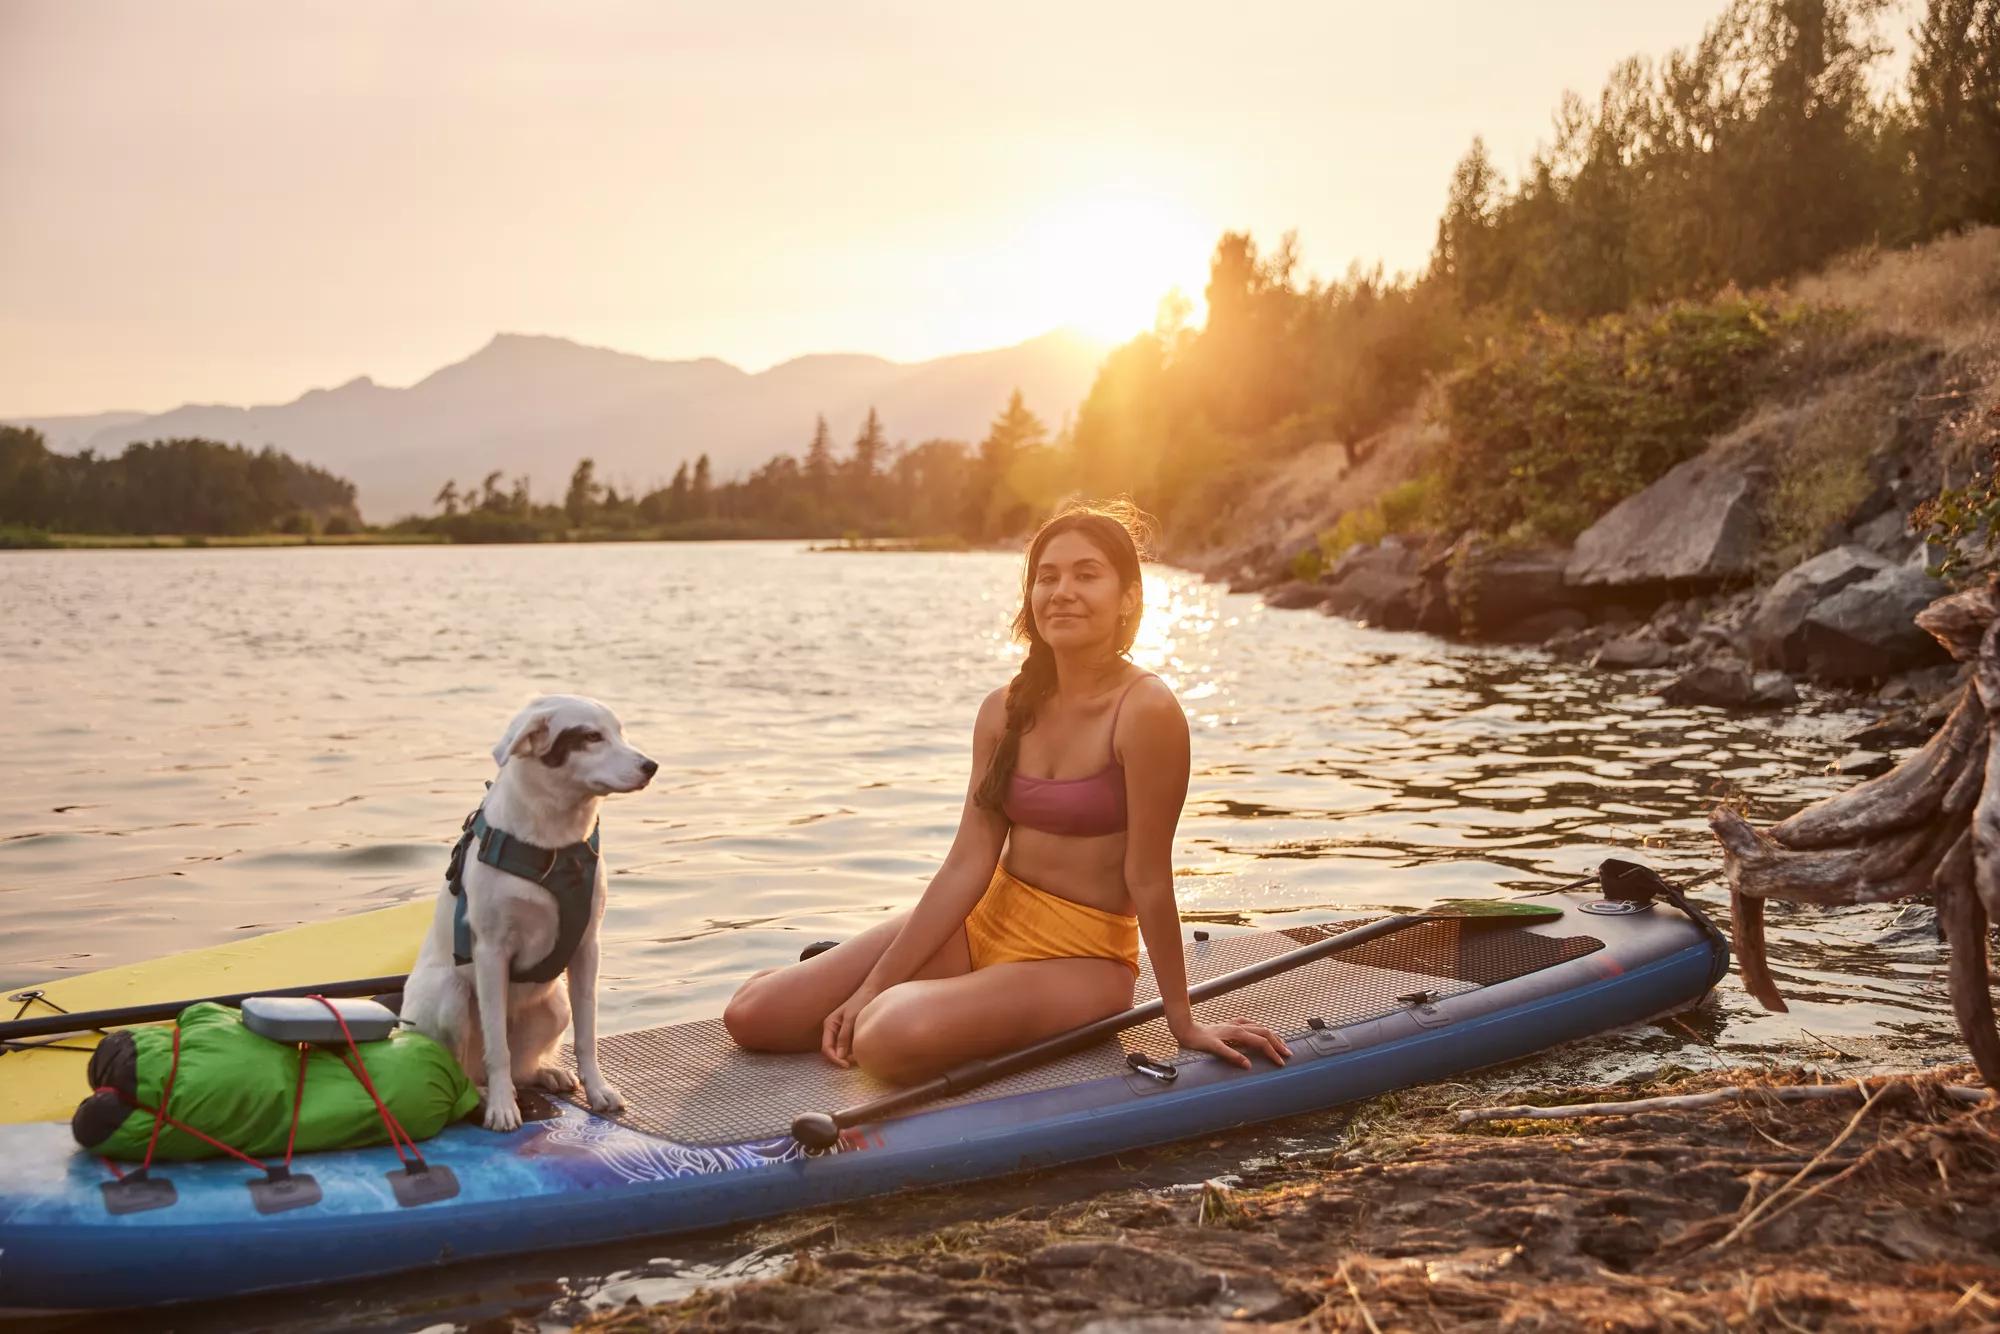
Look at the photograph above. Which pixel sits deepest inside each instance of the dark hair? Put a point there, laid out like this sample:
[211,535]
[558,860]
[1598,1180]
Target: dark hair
[1117,528]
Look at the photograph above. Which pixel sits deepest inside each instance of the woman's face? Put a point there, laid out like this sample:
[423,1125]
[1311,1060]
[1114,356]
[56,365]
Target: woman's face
[1075,595]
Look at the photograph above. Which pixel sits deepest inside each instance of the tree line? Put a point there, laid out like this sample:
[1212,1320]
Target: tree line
[869,487]
[189,486]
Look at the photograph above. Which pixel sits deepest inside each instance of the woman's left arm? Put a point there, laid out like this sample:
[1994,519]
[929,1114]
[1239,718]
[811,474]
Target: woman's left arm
[1153,746]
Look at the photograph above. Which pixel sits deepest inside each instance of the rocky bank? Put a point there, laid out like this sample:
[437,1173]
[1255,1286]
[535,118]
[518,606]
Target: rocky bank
[1784,552]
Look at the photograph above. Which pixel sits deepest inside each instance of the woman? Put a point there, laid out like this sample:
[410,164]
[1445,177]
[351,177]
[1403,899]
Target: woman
[1063,858]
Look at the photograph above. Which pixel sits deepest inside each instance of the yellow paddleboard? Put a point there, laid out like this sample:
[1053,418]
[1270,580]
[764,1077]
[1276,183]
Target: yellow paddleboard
[45,1084]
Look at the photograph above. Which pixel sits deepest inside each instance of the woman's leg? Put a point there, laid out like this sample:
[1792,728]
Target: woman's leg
[924,1027]
[783,1009]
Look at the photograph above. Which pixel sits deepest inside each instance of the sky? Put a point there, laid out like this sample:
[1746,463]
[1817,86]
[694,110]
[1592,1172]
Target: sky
[238,200]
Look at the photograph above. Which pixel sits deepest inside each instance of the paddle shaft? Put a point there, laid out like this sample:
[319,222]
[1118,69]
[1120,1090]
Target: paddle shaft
[43,1026]
[974,1073]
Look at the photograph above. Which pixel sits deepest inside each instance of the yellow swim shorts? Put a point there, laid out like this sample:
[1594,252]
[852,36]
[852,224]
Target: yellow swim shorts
[1015,921]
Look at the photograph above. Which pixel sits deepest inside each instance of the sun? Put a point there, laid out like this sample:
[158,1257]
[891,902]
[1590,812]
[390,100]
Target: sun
[1103,263]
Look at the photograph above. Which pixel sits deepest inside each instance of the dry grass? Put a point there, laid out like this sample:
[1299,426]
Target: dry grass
[1945,293]
[1288,507]
[1820,450]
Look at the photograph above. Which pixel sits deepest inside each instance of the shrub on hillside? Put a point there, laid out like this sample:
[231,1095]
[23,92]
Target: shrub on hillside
[1407,507]
[1557,423]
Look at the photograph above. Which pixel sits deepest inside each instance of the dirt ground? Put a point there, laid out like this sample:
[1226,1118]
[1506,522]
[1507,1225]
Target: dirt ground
[1754,1214]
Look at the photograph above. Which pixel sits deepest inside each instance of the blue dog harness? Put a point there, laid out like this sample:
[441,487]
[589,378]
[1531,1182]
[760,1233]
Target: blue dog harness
[568,873]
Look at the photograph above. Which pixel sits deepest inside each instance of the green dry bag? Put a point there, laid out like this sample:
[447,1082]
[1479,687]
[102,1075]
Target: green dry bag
[239,1088]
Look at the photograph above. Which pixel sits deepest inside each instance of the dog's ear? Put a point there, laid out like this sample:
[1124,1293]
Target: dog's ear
[529,734]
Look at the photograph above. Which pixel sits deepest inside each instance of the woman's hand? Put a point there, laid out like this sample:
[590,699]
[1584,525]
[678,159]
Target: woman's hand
[1223,1039]
[836,1041]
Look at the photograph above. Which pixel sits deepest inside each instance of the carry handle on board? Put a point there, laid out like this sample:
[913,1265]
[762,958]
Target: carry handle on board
[821,1130]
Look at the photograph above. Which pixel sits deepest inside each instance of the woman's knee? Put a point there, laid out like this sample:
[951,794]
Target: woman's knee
[752,1015]
[897,1039]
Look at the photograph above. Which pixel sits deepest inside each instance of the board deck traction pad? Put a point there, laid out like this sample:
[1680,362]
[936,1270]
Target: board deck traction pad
[691,1084]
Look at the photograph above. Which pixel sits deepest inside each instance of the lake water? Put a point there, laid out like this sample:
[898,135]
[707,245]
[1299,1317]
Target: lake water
[204,743]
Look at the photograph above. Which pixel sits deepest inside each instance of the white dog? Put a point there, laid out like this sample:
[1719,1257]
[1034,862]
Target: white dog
[525,896]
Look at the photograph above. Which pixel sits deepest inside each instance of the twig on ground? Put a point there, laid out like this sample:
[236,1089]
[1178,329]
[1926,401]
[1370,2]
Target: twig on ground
[1845,1056]
[1354,1292]
[1778,1314]
[1975,1293]
[1692,1101]
[1757,1215]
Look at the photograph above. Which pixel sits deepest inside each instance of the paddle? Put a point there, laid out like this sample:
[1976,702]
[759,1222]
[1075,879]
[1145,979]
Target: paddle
[821,1130]
[84,1021]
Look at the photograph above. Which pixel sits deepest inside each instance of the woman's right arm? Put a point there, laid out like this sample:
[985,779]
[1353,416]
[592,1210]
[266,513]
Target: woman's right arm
[949,898]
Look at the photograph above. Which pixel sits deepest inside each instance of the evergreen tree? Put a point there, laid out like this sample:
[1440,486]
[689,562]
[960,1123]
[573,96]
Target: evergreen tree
[819,462]
[861,471]
[995,506]
[677,506]
[1807,149]
[1464,256]
[582,497]
[701,500]
[1954,92]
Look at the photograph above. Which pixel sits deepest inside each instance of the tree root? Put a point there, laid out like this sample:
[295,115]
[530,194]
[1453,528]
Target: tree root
[1931,825]
[1963,917]
[1746,921]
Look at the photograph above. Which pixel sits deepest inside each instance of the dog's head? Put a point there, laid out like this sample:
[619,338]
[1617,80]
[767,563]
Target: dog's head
[577,741]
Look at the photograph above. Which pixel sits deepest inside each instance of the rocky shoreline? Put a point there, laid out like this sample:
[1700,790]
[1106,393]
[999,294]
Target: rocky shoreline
[1833,1214]
[1669,580]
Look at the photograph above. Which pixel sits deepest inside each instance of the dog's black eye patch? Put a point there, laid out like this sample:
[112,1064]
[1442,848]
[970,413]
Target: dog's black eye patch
[568,740]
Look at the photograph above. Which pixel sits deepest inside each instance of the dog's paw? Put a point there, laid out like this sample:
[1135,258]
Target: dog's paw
[604,1097]
[553,1078]
[503,1113]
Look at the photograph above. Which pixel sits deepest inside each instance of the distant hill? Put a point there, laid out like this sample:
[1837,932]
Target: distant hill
[535,405]
[71,435]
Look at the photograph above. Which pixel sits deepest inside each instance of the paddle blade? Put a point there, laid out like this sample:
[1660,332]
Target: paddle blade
[1503,910]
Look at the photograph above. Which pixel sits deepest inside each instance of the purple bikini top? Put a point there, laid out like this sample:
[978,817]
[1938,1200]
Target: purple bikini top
[1074,807]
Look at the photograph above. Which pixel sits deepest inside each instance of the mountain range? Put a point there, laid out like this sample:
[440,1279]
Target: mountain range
[533,404]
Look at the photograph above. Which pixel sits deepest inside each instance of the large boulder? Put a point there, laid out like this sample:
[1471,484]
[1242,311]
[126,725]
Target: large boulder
[1776,629]
[1380,585]
[1505,594]
[1632,653]
[1298,593]
[1887,534]
[1697,524]
[1722,682]
[1868,629]
[1730,684]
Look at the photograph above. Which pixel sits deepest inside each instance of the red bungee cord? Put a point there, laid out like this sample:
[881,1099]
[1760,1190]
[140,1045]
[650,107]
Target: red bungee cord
[350,1057]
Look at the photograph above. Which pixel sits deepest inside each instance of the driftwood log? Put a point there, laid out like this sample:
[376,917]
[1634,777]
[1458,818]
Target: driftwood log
[1929,826]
